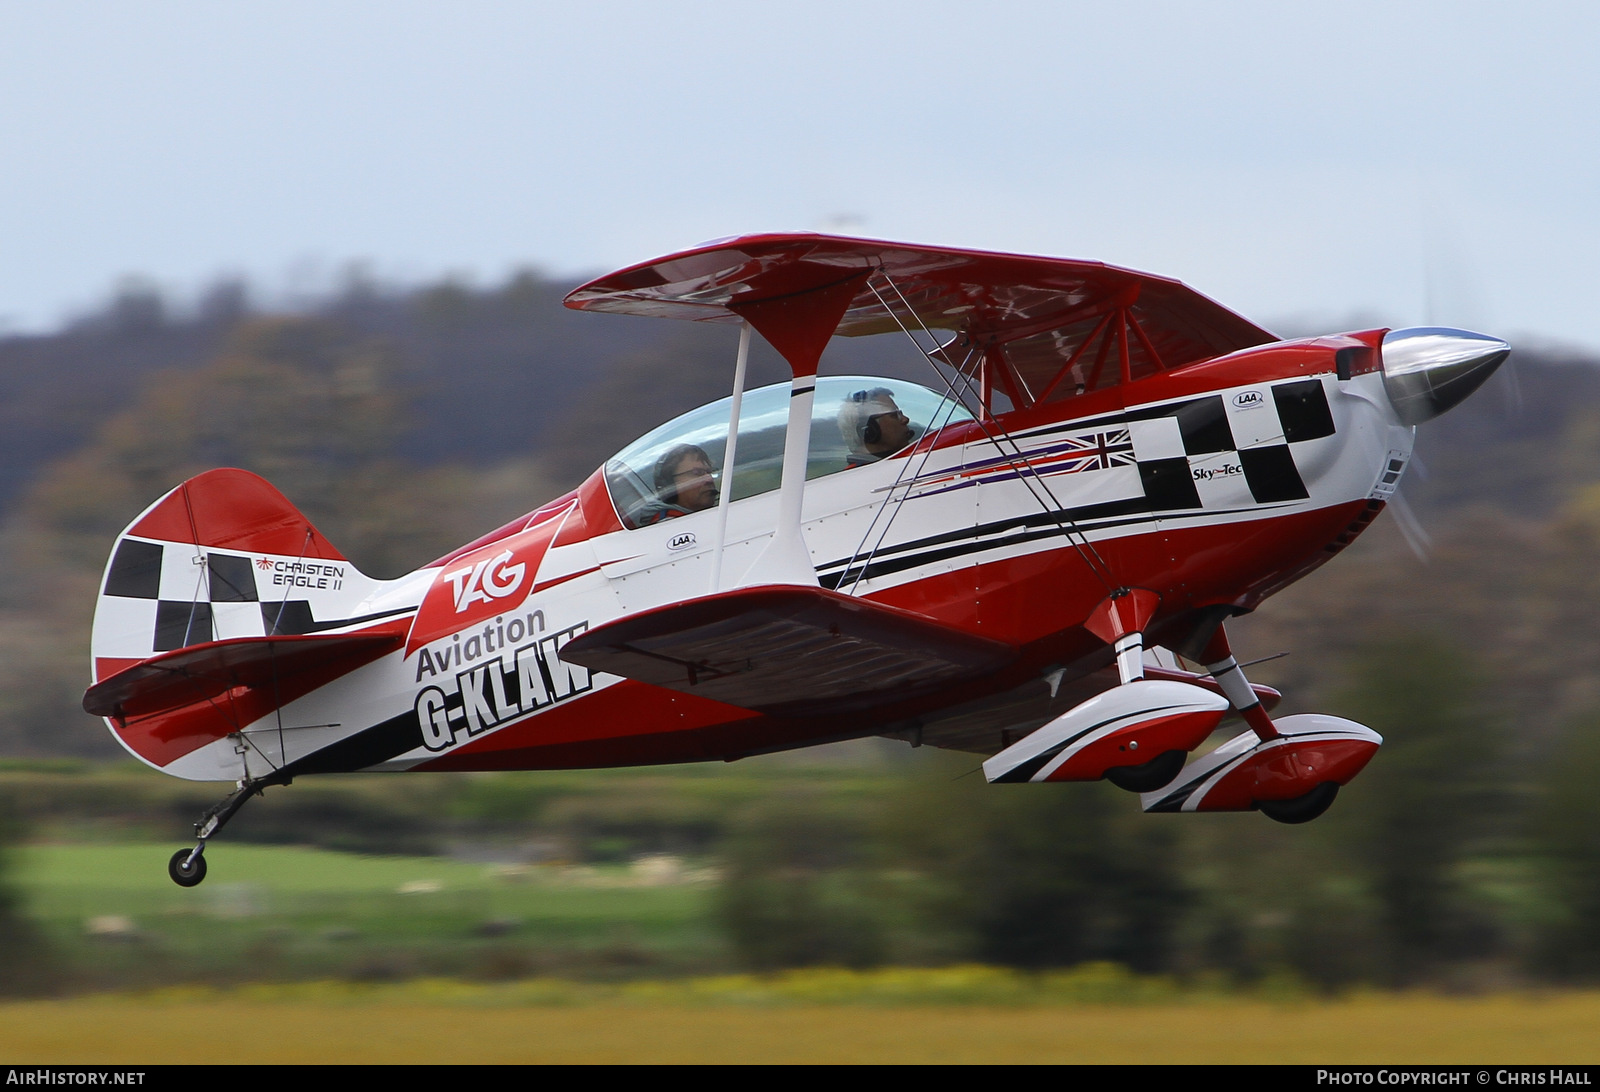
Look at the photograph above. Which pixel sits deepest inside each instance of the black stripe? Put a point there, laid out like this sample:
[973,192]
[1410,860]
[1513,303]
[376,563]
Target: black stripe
[1175,799]
[368,747]
[1084,517]
[292,617]
[1023,773]
[1053,519]
[894,565]
[1038,762]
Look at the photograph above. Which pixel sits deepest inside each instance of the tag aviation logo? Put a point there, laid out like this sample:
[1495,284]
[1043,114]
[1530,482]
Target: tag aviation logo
[483,584]
[488,579]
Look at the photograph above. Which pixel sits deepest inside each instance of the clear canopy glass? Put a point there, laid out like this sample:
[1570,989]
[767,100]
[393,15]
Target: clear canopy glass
[662,474]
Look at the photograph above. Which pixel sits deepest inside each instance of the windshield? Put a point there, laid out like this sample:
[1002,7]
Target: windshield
[678,468]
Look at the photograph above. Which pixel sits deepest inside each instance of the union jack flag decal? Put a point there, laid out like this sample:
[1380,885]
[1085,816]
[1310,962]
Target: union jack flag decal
[1093,451]
[1069,455]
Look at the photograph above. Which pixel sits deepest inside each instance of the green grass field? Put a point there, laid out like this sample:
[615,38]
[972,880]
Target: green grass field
[319,956]
[113,917]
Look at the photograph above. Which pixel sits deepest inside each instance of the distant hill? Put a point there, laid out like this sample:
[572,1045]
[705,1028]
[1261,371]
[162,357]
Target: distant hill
[493,374]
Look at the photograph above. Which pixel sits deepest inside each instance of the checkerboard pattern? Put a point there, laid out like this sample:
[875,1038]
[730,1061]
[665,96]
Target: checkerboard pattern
[193,595]
[1228,451]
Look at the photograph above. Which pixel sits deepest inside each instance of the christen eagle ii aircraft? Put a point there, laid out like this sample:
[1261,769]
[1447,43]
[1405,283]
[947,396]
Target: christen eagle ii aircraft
[1105,468]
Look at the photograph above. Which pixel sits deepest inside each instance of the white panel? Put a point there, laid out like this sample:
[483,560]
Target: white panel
[183,573]
[237,620]
[1157,439]
[1220,481]
[1253,417]
[124,627]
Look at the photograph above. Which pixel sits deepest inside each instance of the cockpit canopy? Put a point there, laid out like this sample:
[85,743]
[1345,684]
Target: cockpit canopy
[661,474]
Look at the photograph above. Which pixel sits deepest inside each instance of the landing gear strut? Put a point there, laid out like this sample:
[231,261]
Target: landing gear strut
[1289,769]
[188,866]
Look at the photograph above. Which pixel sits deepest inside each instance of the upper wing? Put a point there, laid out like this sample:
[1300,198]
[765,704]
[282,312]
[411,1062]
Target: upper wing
[1037,313]
[788,650]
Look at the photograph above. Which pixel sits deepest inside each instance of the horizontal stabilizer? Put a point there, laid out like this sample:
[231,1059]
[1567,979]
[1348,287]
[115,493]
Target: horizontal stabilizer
[787,649]
[205,671]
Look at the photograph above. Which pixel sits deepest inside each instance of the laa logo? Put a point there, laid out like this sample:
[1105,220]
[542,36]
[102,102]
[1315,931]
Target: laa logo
[681,541]
[490,579]
[1249,400]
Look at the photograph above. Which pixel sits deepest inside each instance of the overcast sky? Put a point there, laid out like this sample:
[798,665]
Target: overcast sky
[1407,162]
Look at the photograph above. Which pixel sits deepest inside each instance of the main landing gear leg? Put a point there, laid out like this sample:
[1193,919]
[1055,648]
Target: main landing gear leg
[1218,658]
[1290,770]
[1119,621]
[188,866]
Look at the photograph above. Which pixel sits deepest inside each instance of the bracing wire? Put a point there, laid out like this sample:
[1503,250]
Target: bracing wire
[1057,511]
[1017,460]
[272,654]
[948,411]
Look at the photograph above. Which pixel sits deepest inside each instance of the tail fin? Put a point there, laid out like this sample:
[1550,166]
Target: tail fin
[224,557]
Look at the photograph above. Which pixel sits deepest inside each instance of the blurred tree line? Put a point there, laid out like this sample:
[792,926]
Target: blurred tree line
[404,423]
[1448,862]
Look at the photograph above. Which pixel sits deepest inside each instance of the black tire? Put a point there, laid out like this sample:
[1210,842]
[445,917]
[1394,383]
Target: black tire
[1302,809]
[1151,776]
[183,873]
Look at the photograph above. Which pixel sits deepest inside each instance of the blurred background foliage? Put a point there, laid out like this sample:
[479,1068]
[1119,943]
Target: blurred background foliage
[405,423]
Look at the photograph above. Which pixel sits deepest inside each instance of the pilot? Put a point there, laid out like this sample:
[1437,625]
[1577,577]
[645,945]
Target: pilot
[685,482]
[873,426]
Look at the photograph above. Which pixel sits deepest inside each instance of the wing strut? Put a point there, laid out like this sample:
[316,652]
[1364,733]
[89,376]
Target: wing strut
[729,455]
[798,326]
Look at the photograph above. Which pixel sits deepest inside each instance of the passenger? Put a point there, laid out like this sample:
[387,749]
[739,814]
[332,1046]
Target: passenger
[685,482]
[873,426]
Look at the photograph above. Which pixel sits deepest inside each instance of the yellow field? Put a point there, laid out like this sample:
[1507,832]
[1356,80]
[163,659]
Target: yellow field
[238,1028]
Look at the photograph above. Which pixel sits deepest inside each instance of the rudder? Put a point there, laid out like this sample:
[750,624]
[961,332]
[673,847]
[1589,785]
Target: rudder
[223,557]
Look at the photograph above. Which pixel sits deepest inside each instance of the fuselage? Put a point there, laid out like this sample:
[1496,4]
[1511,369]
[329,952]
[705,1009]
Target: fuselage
[1213,485]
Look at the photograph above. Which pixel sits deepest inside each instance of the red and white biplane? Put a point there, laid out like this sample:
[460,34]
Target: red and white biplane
[1104,467]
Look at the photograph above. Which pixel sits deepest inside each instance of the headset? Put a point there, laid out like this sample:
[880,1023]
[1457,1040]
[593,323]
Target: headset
[873,433]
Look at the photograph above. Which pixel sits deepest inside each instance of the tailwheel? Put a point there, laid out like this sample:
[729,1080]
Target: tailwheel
[1302,809]
[187,867]
[1150,776]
